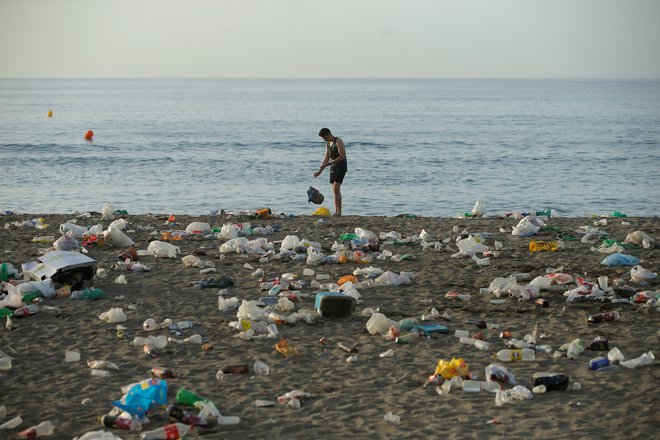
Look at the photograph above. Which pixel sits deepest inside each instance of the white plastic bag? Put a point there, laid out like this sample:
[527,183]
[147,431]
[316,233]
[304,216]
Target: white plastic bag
[162,249]
[66,243]
[470,246]
[107,212]
[228,231]
[479,208]
[198,228]
[225,305]
[638,236]
[392,279]
[290,242]
[527,226]
[638,273]
[115,314]
[250,310]
[500,286]
[366,235]
[72,230]
[234,245]
[380,324]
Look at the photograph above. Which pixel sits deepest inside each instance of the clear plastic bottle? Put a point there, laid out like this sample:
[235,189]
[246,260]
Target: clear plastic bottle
[594,319]
[12,423]
[515,355]
[42,429]
[167,432]
[27,310]
[120,423]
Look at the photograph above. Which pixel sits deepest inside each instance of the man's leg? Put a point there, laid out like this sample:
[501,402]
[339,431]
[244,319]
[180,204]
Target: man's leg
[336,189]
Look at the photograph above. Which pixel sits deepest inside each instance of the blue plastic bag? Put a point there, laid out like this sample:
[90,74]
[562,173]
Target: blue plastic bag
[619,259]
[143,396]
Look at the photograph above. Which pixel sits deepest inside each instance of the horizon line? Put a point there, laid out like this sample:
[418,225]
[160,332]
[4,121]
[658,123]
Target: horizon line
[501,78]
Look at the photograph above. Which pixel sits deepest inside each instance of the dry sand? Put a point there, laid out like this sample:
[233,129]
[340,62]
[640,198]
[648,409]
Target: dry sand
[349,399]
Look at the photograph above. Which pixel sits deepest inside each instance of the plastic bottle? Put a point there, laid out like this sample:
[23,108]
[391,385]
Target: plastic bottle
[481,345]
[42,429]
[194,339]
[27,310]
[167,432]
[89,293]
[236,369]
[599,362]
[120,423]
[541,246]
[185,417]
[514,355]
[4,272]
[186,397]
[162,373]
[601,317]
[12,423]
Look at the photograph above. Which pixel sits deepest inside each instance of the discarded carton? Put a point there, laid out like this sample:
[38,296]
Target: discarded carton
[64,267]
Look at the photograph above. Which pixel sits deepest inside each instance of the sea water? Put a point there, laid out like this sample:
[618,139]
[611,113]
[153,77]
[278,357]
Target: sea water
[429,146]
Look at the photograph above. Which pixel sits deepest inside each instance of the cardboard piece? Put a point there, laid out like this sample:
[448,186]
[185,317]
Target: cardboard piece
[64,267]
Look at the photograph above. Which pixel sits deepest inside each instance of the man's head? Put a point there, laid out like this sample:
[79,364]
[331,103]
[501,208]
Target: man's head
[326,134]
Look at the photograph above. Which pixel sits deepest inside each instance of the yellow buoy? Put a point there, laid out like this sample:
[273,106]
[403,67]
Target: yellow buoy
[50,113]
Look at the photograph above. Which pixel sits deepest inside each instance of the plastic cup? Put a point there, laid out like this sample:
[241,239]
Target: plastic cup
[71,356]
[602,282]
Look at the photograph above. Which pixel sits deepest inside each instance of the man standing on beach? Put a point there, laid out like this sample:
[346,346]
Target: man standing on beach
[335,156]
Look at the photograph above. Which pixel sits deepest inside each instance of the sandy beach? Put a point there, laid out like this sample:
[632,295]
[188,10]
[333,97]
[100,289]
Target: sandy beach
[348,399]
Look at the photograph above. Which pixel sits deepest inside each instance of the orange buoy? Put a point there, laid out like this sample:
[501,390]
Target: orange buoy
[50,113]
[89,135]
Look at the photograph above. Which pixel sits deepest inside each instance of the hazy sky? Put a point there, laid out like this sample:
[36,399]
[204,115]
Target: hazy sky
[336,38]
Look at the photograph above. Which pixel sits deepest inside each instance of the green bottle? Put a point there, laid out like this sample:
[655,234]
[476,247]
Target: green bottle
[30,296]
[4,313]
[89,293]
[186,397]
[4,272]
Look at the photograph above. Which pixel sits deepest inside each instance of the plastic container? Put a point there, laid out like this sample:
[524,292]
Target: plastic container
[334,305]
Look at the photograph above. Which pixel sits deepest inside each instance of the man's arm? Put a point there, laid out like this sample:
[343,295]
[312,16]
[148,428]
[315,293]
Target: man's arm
[323,164]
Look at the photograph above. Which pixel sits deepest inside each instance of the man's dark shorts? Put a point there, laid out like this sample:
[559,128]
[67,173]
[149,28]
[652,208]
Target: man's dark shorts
[337,176]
